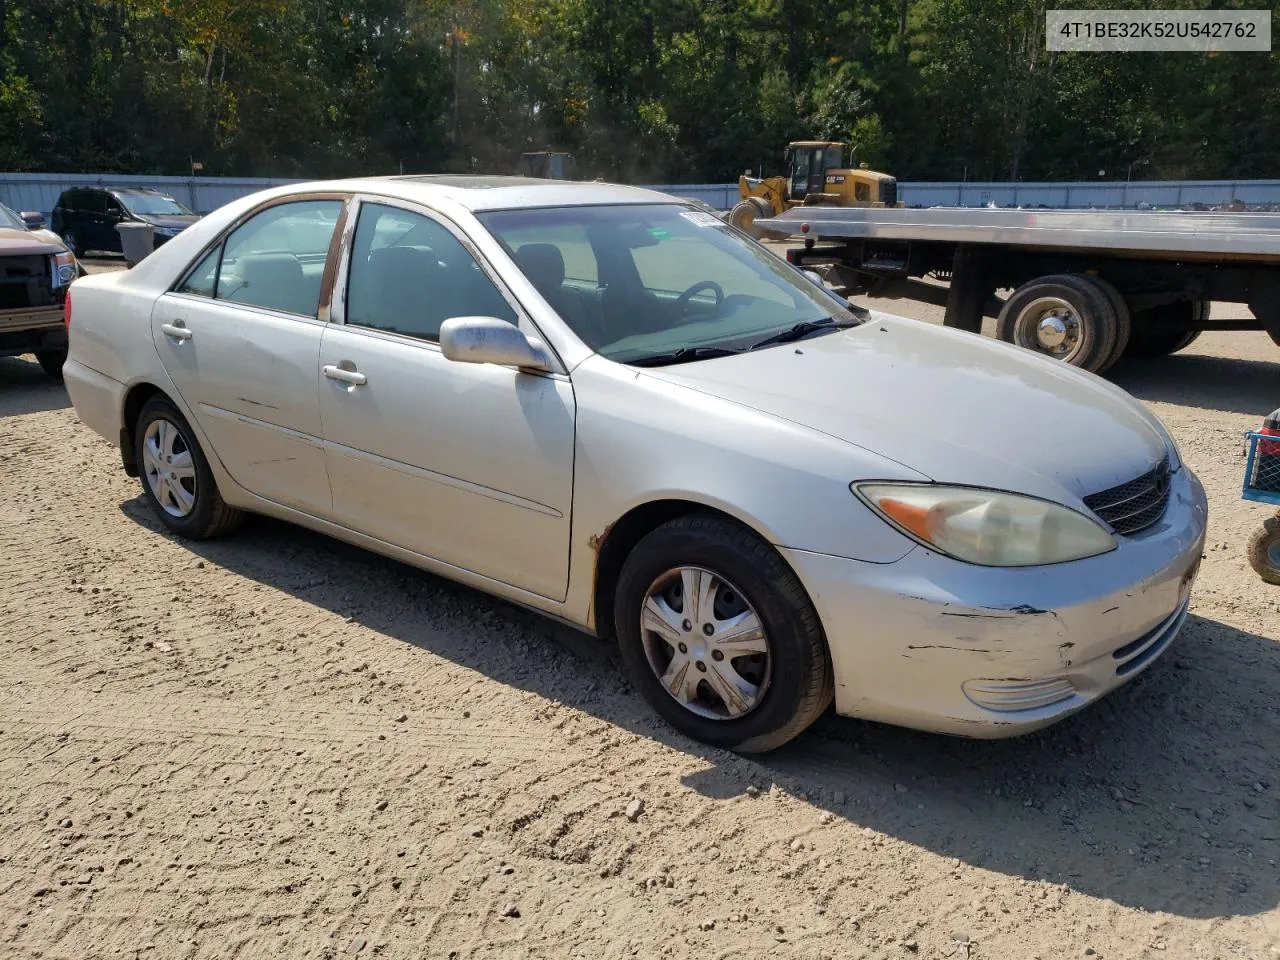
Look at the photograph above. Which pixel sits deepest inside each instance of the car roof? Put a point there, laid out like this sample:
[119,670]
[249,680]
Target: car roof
[481,193]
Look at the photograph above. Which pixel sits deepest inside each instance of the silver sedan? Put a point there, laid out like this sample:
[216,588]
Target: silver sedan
[611,407]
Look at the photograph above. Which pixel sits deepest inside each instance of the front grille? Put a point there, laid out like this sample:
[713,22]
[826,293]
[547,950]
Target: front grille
[1136,505]
[889,192]
[25,282]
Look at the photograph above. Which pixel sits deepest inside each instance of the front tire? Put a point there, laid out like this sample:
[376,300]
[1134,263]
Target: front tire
[720,637]
[175,475]
[51,361]
[72,240]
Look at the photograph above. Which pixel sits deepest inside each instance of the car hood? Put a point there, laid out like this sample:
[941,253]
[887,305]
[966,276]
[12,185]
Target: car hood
[25,243]
[176,221]
[953,406]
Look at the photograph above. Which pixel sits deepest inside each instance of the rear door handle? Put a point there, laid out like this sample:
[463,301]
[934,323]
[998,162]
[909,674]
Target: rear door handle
[345,376]
[176,330]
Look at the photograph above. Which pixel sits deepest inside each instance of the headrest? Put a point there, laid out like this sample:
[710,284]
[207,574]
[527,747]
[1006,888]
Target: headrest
[542,263]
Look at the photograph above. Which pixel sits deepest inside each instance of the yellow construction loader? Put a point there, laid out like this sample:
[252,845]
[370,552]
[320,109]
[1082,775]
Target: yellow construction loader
[816,175]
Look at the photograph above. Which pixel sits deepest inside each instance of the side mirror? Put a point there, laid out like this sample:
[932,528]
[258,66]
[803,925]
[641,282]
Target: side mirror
[490,340]
[816,278]
[33,219]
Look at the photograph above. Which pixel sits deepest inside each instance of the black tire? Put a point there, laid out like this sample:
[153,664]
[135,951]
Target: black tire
[800,684]
[51,361]
[1098,324]
[1160,331]
[1124,321]
[72,240]
[210,516]
[1264,551]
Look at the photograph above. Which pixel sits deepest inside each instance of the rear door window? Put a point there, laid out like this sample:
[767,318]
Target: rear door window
[276,258]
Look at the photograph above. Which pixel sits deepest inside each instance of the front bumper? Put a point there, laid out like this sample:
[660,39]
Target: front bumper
[31,329]
[936,644]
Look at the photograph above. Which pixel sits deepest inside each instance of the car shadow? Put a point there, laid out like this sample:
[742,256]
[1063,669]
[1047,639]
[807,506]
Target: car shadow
[1228,384]
[25,388]
[1163,796]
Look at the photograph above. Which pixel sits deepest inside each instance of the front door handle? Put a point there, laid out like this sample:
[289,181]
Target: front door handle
[345,376]
[178,330]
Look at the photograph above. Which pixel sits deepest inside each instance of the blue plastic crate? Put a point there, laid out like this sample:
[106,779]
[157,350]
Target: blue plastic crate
[1262,469]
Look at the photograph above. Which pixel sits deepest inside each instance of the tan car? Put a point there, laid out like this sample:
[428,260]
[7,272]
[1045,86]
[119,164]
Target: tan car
[36,268]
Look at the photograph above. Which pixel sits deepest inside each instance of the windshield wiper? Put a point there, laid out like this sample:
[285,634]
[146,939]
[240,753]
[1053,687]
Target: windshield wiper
[799,330]
[683,355]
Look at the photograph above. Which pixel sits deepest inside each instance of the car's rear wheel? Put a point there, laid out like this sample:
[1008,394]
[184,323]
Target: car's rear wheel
[51,361]
[719,636]
[175,475]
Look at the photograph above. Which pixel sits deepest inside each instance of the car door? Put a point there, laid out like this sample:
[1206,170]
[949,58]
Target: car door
[469,464]
[240,338]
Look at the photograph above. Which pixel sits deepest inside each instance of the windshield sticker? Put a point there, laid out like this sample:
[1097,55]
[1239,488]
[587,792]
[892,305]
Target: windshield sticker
[658,233]
[701,218]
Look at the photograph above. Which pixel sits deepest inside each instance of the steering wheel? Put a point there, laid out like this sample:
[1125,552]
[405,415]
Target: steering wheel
[682,302]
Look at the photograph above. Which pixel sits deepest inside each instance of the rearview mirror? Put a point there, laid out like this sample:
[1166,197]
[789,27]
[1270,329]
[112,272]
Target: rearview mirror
[33,219]
[490,340]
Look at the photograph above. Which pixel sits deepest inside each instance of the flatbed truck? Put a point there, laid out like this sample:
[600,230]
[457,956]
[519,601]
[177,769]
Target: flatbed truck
[1087,286]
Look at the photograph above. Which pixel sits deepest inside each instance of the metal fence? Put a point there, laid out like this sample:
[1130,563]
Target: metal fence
[39,191]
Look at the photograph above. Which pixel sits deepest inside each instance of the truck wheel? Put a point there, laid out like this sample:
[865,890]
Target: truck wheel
[1264,551]
[1152,336]
[746,212]
[51,361]
[1065,316]
[1124,321]
[176,477]
[719,636]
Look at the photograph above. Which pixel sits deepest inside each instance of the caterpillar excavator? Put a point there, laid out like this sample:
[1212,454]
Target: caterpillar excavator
[816,175]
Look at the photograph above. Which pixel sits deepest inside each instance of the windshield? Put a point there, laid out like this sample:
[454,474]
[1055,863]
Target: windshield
[152,204]
[10,220]
[635,282]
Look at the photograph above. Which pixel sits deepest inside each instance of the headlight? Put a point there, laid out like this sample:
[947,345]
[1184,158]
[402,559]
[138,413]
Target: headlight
[64,269]
[987,527]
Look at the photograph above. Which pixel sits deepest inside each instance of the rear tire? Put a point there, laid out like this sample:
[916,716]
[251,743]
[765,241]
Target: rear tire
[51,361]
[175,475]
[787,670]
[1264,551]
[1124,321]
[1162,330]
[1065,317]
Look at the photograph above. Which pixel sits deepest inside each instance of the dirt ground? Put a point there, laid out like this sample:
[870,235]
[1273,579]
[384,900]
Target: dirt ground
[275,745]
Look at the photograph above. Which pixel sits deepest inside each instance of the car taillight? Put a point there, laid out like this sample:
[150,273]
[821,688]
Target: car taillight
[66,311]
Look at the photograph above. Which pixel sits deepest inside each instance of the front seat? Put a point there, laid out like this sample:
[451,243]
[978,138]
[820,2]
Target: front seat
[543,264]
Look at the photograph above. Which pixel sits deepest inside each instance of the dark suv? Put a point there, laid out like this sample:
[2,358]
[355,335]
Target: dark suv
[86,217]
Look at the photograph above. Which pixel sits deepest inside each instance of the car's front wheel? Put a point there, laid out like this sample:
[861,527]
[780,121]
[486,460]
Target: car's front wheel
[719,635]
[176,476]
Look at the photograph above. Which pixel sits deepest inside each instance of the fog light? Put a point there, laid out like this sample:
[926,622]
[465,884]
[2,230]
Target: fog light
[1014,695]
